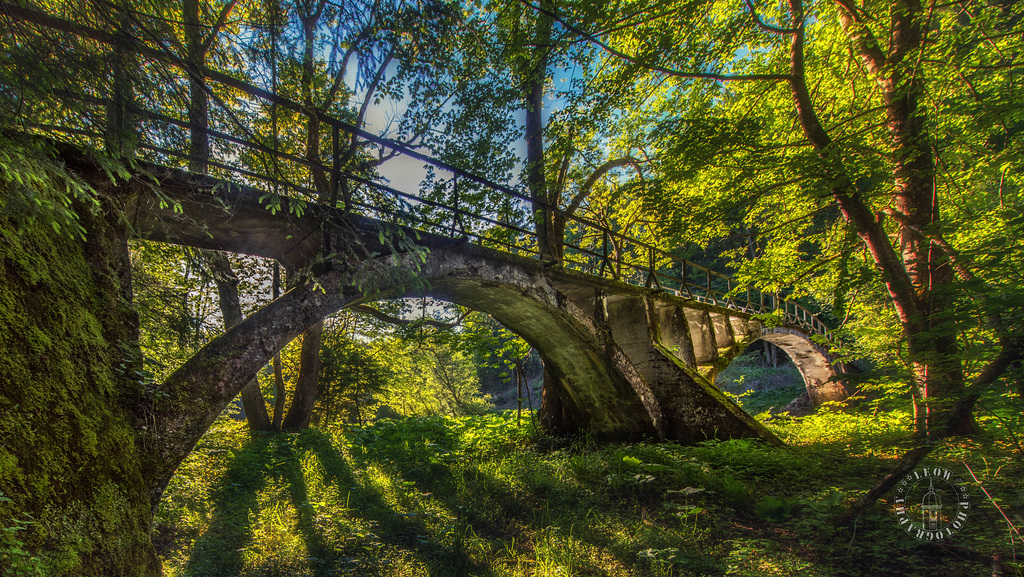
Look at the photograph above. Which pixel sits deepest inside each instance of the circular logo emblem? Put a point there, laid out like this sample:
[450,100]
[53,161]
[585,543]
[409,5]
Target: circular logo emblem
[932,503]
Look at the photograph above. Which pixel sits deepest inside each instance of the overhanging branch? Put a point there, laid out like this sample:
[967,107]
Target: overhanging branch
[593,39]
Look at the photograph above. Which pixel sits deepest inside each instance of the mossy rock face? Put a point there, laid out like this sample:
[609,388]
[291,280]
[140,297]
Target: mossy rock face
[69,458]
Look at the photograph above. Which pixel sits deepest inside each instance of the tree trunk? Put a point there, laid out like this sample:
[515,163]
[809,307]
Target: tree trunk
[518,372]
[279,392]
[551,414]
[533,98]
[916,274]
[306,385]
[198,111]
[253,405]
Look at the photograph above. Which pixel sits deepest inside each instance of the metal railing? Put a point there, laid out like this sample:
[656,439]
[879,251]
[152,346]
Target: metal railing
[160,130]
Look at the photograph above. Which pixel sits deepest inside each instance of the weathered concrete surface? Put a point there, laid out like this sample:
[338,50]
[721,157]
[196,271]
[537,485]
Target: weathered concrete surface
[694,409]
[599,387]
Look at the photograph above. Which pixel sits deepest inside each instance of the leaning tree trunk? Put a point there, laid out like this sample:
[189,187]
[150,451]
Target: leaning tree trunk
[200,389]
[917,273]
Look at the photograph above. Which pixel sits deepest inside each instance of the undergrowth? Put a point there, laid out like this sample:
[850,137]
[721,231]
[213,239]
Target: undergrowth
[482,496]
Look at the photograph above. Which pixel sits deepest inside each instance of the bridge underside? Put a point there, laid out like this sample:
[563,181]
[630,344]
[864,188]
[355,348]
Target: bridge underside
[627,363]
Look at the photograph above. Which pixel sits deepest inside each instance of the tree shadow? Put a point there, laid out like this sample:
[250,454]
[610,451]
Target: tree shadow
[391,528]
[218,551]
[522,520]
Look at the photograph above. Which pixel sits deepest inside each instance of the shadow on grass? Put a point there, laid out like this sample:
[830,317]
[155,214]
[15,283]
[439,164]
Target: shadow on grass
[347,526]
[394,530]
[218,551]
[541,515]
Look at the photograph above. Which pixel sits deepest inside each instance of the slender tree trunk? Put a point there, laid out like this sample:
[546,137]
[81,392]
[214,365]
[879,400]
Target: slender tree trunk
[518,371]
[279,392]
[198,110]
[231,309]
[536,178]
[121,137]
[307,384]
[253,406]
[301,409]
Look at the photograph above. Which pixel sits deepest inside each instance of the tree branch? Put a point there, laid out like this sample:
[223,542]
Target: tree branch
[765,26]
[339,77]
[653,67]
[854,210]
[860,34]
[370,90]
[601,171]
[391,320]
[222,19]
[1012,352]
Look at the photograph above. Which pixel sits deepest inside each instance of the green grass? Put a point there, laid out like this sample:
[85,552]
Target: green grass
[481,496]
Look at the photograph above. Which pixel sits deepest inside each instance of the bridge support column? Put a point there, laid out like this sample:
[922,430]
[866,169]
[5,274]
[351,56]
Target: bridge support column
[704,341]
[693,409]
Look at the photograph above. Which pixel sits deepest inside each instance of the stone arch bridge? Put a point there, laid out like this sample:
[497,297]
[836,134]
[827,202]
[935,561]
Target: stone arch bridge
[627,361]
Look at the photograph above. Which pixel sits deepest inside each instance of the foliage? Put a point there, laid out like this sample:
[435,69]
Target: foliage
[352,375]
[38,193]
[480,495]
[768,123]
[16,560]
[728,165]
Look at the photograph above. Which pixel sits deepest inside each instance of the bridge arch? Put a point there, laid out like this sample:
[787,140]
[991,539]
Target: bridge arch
[813,362]
[606,344]
[602,391]
[600,341]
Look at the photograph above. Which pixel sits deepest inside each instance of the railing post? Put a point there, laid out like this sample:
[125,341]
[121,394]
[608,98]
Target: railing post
[335,169]
[652,275]
[456,215]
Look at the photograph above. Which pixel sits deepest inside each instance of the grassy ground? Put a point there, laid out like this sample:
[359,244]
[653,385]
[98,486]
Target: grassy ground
[483,496]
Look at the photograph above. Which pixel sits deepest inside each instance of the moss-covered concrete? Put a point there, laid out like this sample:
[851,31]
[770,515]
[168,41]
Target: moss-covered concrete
[69,462]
